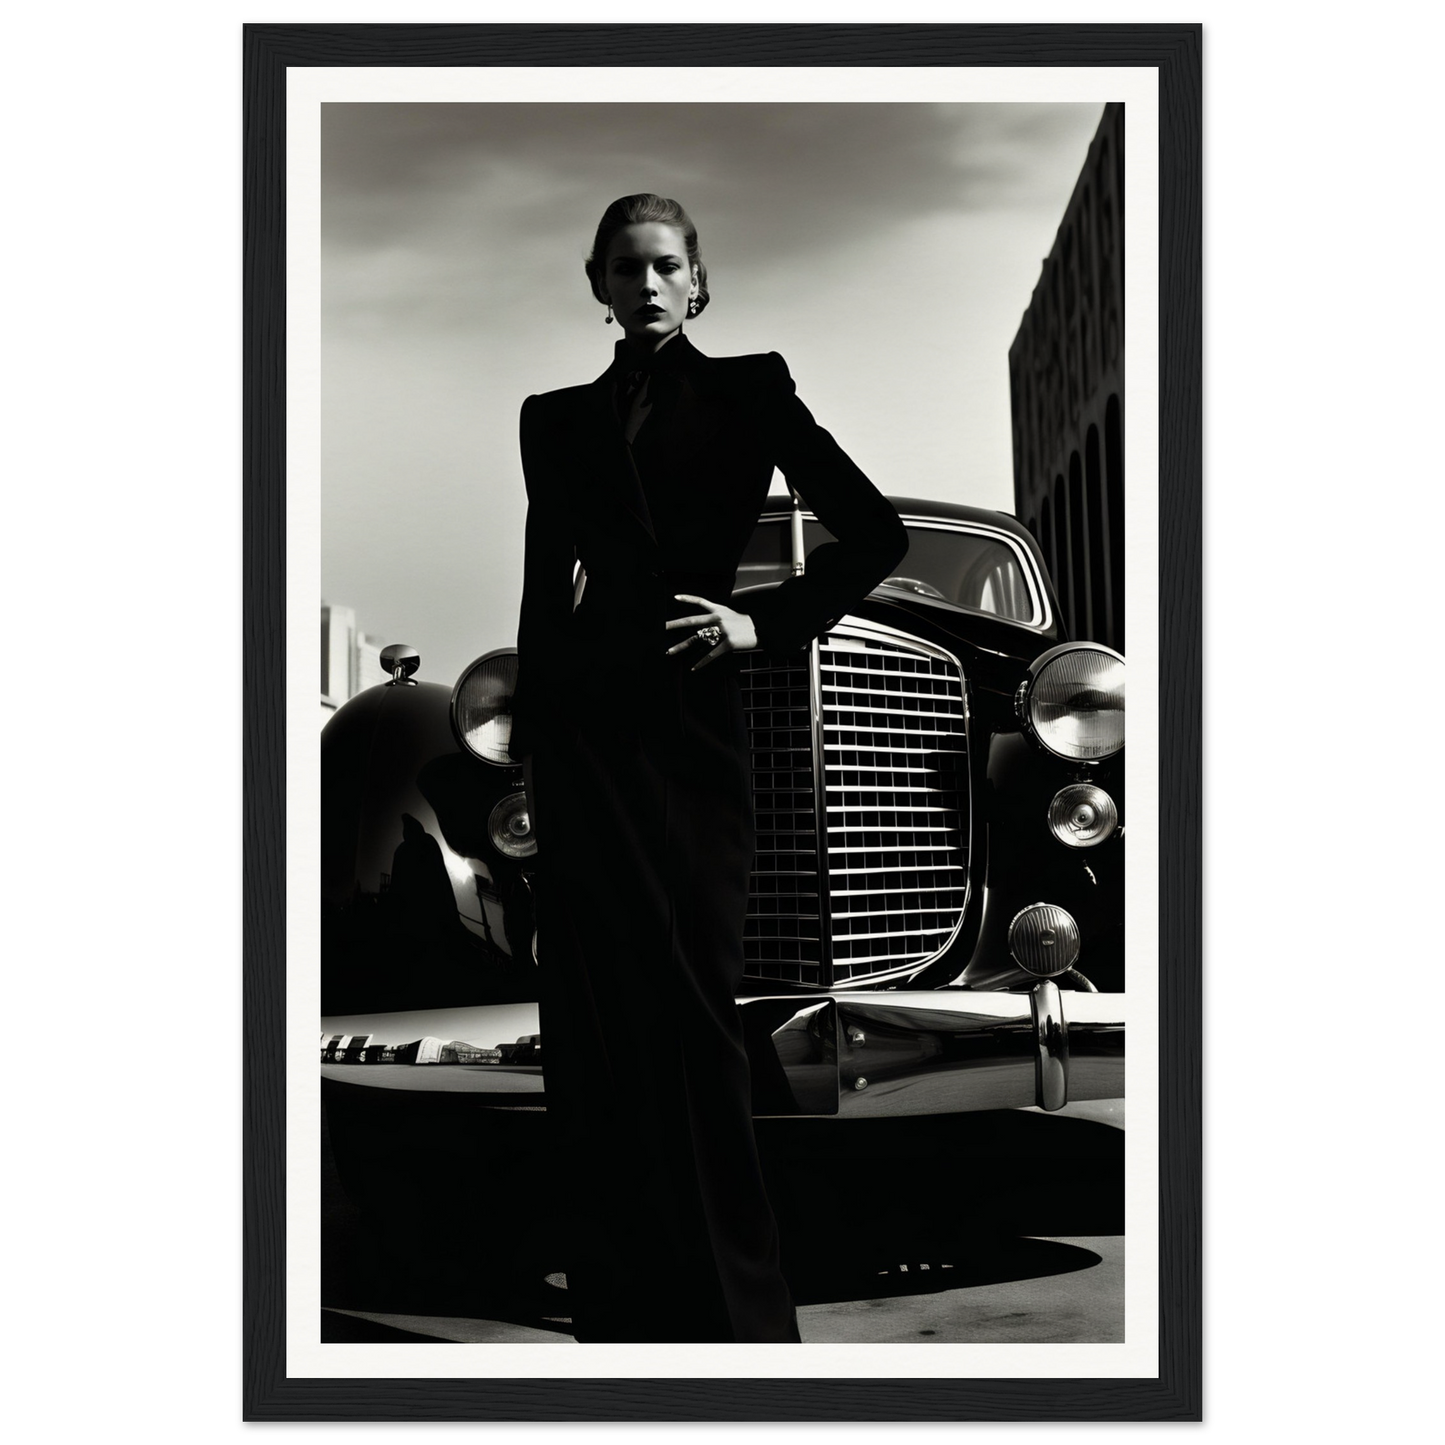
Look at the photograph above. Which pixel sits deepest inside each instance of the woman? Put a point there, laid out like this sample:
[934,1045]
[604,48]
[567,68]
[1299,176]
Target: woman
[629,711]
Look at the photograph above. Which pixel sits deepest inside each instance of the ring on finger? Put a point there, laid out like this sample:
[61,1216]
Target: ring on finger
[710,635]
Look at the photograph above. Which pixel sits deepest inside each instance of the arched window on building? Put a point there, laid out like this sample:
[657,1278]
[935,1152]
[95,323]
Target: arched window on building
[1060,561]
[1114,495]
[1098,541]
[1079,548]
[1045,535]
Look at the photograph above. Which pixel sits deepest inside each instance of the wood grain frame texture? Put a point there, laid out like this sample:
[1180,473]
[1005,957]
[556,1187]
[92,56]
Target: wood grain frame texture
[1176,1393]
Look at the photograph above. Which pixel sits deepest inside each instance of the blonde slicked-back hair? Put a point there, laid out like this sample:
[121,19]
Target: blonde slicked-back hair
[632,211]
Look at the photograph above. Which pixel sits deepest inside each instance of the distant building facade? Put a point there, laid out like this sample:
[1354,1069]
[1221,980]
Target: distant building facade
[1066,385]
[350,660]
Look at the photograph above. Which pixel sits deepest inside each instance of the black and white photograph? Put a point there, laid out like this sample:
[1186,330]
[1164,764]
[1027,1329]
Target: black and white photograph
[708,925]
[722,806]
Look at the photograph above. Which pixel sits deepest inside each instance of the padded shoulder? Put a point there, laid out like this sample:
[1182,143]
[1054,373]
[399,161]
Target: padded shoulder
[744,373]
[549,403]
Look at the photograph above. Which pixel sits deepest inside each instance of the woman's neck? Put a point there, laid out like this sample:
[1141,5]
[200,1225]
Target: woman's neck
[646,345]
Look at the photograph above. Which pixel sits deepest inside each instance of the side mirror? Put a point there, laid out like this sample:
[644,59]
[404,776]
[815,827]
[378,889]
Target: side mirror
[400,661]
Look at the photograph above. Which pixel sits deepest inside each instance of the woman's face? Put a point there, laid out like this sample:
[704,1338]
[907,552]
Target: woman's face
[648,280]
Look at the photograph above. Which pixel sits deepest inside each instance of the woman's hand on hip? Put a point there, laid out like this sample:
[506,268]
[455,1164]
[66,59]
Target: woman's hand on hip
[735,632]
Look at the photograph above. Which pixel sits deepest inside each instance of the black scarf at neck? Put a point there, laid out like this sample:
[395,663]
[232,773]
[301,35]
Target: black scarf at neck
[667,360]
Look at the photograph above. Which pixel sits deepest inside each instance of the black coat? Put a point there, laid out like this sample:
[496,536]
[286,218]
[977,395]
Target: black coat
[730,421]
[640,790]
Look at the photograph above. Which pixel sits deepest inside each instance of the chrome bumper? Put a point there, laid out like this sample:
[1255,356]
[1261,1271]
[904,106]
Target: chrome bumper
[898,1054]
[841,1055]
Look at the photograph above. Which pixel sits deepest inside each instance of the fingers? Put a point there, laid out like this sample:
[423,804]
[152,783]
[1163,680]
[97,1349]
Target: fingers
[720,611]
[709,619]
[688,641]
[717,617]
[683,645]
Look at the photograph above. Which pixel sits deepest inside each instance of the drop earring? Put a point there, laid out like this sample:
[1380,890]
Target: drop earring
[608,317]
[692,305]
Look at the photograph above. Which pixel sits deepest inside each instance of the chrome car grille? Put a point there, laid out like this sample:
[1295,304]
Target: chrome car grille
[782,939]
[875,727]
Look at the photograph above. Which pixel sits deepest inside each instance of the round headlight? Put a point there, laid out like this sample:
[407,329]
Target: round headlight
[482,707]
[1082,815]
[510,827]
[1044,939]
[1073,701]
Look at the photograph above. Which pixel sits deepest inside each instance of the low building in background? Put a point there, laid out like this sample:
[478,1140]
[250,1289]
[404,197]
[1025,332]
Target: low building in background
[350,660]
[1066,380]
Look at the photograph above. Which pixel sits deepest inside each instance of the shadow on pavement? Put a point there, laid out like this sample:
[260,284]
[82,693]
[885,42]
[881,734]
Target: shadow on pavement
[867,1196]
[969,1265]
[426,1215]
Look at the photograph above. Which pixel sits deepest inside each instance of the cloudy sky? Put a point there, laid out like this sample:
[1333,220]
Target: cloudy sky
[887,250]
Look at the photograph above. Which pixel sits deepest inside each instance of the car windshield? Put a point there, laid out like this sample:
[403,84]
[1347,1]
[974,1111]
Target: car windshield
[971,570]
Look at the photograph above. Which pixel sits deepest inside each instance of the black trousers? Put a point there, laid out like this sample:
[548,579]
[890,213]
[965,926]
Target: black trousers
[643,817]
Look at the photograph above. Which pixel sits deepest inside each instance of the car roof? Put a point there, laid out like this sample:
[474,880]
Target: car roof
[930,507]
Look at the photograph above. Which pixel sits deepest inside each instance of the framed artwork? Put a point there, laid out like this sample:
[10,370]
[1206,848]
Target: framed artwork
[399,184]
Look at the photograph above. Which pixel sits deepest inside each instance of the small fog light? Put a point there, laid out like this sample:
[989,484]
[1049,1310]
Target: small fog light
[1082,815]
[1044,939]
[510,827]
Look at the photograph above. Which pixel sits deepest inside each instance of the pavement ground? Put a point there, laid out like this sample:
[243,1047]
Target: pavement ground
[1085,1305]
[978,1229]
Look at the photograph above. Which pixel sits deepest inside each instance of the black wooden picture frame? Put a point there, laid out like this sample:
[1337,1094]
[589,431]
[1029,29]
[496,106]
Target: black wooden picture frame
[1175,1394]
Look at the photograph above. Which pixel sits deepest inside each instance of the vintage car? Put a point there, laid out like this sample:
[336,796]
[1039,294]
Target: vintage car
[936,916]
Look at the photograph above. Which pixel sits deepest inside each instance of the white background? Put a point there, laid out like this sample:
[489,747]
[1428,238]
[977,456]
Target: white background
[309,422]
